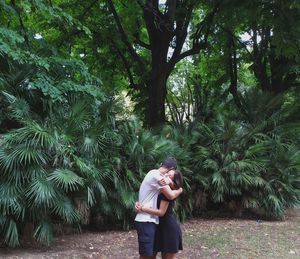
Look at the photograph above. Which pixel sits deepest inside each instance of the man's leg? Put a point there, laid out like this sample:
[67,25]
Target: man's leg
[146,235]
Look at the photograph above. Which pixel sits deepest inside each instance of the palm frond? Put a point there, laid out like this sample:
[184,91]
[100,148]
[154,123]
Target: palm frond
[41,192]
[19,107]
[11,235]
[66,210]
[10,200]
[66,179]
[44,232]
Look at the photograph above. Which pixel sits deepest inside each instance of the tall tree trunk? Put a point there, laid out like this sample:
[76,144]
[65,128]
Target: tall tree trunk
[232,67]
[157,95]
[160,37]
[260,62]
[157,84]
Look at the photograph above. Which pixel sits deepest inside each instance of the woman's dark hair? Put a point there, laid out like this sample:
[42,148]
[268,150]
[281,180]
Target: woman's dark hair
[178,179]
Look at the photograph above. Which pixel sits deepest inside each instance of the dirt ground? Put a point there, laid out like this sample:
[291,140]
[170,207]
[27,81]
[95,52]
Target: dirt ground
[202,238]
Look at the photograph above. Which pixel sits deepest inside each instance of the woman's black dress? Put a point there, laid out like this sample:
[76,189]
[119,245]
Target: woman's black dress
[168,237]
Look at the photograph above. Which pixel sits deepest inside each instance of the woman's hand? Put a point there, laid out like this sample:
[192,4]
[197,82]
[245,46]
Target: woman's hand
[138,207]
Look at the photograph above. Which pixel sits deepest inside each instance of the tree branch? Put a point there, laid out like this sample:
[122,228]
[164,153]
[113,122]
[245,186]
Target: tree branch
[141,43]
[149,17]
[126,65]
[87,10]
[140,3]
[181,31]
[194,50]
[237,39]
[197,43]
[208,23]
[21,23]
[76,31]
[124,37]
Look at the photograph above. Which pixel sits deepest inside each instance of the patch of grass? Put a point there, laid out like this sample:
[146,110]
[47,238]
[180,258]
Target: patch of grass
[243,238]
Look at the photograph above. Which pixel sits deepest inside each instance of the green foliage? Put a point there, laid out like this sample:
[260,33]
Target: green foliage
[43,170]
[52,105]
[250,162]
[65,143]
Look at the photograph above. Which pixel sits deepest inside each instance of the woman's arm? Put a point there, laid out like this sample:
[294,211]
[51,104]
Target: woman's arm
[169,193]
[163,206]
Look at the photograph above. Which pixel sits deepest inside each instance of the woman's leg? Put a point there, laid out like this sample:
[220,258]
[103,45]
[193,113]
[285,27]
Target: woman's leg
[168,256]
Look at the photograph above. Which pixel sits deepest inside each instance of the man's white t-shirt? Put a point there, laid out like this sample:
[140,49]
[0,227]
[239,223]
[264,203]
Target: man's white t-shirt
[148,193]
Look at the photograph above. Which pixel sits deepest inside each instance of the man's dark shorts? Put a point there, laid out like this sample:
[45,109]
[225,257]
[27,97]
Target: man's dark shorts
[146,236]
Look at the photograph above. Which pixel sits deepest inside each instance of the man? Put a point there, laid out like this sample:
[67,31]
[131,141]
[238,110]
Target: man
[156,181]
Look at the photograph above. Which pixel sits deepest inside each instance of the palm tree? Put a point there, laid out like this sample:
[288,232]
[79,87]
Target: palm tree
[48,165]
[252,163]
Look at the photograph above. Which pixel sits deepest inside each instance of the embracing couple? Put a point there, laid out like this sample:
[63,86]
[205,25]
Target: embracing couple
[155,222]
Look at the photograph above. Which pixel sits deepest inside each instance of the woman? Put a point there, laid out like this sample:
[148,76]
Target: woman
[168,238]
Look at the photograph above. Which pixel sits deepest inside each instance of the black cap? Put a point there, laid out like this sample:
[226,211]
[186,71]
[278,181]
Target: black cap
[169,163]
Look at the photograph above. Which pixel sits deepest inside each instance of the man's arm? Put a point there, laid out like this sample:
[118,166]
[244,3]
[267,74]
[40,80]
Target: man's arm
[169,193]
